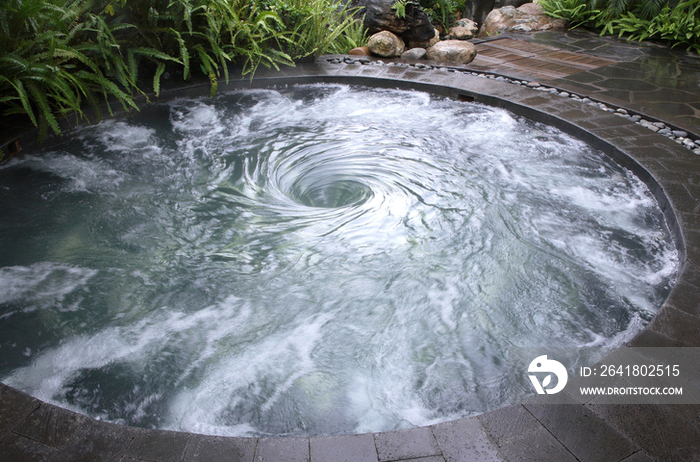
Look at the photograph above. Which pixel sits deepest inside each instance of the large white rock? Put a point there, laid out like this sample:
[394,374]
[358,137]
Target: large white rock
[527,18]
[452,51]
[464,29]
[386,44]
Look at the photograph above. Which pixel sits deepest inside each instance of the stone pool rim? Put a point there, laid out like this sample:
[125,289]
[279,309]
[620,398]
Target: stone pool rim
[34,430]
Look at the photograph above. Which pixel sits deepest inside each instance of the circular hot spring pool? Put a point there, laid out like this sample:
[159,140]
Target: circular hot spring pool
[317,259]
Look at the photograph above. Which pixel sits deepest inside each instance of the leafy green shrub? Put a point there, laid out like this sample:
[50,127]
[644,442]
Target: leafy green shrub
[354,36]
[679,26]
[318,26]
[576,12]
[614,9]
[57,55]
[47,70]
[208,33]
[675,23]
[442,11]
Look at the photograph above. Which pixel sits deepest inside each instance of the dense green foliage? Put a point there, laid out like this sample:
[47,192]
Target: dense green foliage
[51,62]
[57,55]
[439,11]
[318,26]
[673,22]
[442,11]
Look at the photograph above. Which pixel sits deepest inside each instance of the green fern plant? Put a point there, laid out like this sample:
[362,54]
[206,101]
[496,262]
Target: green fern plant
[47,71]
[201,34]
[353,37]
[576,12]
[316,26]
[56,56]
[400,8]
[679,26]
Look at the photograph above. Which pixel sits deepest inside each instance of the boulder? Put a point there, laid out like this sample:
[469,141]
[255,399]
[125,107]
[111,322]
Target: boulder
[386,44]
[452,51]
[426,43]
[414,53]
[464,32]
[378,16]
[477,10]
[359,51]
[526,18]
[465,22]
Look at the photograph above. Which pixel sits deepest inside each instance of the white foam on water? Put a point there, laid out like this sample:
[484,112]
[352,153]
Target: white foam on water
[123,137]
[81,175]
[289,353]
[54,369]
[324,260]
[133,344]
[41,285]
[193,116]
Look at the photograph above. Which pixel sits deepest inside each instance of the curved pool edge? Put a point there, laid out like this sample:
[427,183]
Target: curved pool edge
[32,430]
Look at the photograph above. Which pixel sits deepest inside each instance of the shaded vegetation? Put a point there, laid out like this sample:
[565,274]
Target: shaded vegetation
[318,26]
[671,21]
[56,56]
[441,12]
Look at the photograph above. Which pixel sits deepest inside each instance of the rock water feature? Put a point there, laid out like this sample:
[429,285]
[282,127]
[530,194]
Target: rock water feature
[379,15]
[314,260]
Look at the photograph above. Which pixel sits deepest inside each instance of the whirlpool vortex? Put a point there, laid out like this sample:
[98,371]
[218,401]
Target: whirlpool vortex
[317,259]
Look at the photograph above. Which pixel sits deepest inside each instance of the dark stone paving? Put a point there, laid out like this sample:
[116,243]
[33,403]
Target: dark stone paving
[646,78]
[658,81]
[661,84]
[519,57]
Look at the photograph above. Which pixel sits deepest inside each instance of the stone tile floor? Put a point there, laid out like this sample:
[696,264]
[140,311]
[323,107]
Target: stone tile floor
[648,79]
[520,57]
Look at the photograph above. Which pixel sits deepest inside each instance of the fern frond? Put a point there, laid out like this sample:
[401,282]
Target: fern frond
[23,97]
[184,53]
[156,78]
[46,114]
[155,54]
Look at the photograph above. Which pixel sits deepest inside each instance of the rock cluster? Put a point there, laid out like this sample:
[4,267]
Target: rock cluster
[391,34]
[477,10]
[464,29]
[378,15]
[388,45]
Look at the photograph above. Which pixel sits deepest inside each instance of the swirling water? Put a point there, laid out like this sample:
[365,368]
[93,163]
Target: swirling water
[314,260]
